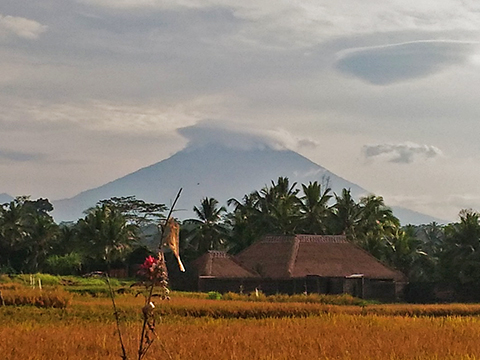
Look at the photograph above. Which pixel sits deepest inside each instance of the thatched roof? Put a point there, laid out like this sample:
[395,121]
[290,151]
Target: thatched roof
[283,257]
[221,265]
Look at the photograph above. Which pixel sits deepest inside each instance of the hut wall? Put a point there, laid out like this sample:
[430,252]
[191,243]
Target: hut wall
[269,286]
[287,286]
[354,286]
[374,289]
[206,284]
[382,290]
[237,285]
[335,285]
[317,284]
[118,273]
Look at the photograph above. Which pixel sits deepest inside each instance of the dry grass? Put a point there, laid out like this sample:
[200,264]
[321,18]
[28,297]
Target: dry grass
[190,307]
[14,294]
[86,330]
[324,337]
[341,299]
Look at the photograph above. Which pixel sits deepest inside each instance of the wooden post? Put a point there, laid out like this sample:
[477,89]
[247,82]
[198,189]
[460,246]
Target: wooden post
[2,300]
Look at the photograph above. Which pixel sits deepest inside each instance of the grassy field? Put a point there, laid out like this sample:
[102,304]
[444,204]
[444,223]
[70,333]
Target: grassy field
[193,327]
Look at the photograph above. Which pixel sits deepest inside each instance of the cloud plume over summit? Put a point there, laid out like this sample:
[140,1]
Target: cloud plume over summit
[236,136]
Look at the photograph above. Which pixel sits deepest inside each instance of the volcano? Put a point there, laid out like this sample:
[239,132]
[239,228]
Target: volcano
[219,171]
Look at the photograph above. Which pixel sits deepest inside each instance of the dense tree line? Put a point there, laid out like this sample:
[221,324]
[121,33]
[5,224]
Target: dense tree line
[108,236]
[121,231]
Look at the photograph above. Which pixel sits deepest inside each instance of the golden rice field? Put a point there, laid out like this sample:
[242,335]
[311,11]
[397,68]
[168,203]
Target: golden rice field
[216,329]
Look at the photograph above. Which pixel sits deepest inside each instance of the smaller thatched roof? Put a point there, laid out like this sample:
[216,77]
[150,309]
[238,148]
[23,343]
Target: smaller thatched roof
[221,265]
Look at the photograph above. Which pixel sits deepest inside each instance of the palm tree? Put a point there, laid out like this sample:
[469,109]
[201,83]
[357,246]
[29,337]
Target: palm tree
[346,215]
[405,253]
[433,244]
[41,238]
[209,228]
[279,207]
[461,258]
[376,215]
[244,222]
[316,214]
[67,239]
[13,230]
[376,223]
[106,234]
[367,223]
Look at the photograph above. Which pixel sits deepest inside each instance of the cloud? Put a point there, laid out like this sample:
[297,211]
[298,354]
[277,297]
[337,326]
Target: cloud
[159,4]
[384,65]
[114,118]
[17,156]
[20,27]
[400,153]
[234,135]
[310,22]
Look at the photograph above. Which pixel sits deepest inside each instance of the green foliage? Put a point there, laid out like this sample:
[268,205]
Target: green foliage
[64,264]
[27,234]
[460,259]
[7,269]
[315,209]
[105,235]
[136,211]
[283,210]
[65,281]
[46,279]
[209,231]
[108,235]
[214,295]
[92,281]
[279,207]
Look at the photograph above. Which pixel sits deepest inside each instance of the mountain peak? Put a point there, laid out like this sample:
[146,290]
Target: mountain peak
[208,169]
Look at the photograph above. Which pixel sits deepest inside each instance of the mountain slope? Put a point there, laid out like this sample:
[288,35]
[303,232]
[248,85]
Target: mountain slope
[5,198]
[209,171]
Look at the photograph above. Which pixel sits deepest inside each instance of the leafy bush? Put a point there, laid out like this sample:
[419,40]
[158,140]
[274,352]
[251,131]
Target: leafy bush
[66,281]
[45,279]
[69,264]
[6,269]
[214,295]
[91,281]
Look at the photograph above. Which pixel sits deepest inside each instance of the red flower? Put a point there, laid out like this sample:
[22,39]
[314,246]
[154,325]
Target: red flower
[149,262]
[149,268]
[153,269]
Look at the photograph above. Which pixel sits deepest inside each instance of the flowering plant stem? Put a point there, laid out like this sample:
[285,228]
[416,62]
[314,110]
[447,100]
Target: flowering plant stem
[117,318]
[148,321]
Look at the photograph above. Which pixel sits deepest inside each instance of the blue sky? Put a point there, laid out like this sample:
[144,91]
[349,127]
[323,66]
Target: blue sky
[381,93]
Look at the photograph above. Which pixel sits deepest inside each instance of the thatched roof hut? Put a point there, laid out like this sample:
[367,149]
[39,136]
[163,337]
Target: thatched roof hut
[296,256]
[221,265]
[300,263]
